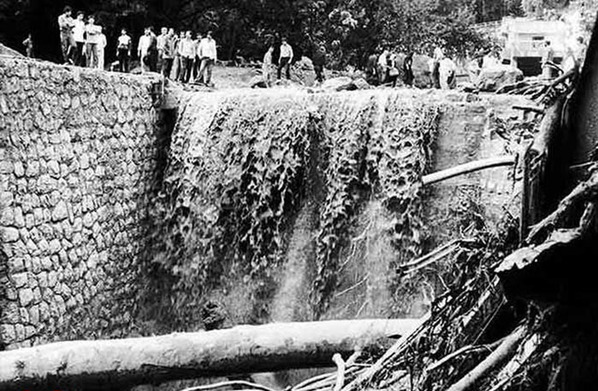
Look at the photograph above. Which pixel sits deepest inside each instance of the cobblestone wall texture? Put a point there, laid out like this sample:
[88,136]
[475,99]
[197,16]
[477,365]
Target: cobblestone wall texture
[77,155]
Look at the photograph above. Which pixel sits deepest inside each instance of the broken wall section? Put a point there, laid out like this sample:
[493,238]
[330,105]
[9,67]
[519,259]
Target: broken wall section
[77,159]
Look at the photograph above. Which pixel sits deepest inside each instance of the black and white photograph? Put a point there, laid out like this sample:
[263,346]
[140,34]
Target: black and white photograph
[298,195]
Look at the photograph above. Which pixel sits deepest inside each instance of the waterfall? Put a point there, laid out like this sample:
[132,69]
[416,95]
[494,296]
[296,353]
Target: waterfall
[289,205]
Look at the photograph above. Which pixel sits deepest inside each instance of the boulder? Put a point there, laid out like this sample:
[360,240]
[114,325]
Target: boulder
[257,82]
[361,84]
[494,77]
[342,83]
[303,72]
[345,83]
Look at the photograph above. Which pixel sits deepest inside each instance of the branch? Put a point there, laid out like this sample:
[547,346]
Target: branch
[584,192]
[504,351]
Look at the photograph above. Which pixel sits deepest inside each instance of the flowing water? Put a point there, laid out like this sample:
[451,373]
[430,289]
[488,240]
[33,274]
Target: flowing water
[292,206]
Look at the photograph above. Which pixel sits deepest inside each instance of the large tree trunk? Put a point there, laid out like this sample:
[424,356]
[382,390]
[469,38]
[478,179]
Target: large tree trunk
[115,364]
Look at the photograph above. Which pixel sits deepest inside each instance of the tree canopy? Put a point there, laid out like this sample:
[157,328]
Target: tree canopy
[349,29]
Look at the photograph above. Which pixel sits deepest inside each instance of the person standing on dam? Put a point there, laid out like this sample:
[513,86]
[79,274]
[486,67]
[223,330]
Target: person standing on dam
[319,62]
[267,65]
[79,37]
[285,59]
[66,25]
[123,51]
[187,49]
[28,44]
[91,43]
[208,54]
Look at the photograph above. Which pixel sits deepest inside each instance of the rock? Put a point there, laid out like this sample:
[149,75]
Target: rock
[7,331]
[10,235]
[32,169]
[20,279]
[7,216]
[342,83]
[19,169]
[303,72]
[26,296]
[361,84]
[494,77]
[60,212]
[257,82]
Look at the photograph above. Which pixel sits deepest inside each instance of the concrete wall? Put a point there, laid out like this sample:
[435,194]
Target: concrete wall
[77,159]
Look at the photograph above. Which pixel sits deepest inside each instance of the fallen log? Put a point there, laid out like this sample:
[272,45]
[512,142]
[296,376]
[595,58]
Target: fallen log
[116,364]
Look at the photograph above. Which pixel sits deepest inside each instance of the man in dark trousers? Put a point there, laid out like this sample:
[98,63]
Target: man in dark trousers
[66,25]
[152,51]
[319,62]
[285,58]
[408,70]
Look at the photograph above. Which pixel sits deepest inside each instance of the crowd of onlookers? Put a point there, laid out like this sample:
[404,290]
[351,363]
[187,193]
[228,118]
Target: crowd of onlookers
[183,57]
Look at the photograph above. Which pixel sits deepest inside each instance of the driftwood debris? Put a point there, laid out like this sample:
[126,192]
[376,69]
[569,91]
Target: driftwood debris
[503,352]
[112,364]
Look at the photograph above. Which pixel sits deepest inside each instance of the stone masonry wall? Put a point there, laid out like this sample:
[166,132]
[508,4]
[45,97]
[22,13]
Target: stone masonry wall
[77,159]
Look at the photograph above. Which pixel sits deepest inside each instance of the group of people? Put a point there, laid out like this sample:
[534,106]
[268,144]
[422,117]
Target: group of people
[82,41]
[182,57]
[388,67]
[285,59]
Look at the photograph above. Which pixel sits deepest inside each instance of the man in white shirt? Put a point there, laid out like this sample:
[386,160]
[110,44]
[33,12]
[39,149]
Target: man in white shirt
[92,32]
[383,66]
[101,46]
[143,48]
[123,51]
[188,50]
[285,58]
[66,25]
[207,53]
[79,37]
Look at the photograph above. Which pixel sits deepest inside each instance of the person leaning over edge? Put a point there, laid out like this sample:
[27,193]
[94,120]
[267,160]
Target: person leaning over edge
[285,59]
[208,54]
[66,25]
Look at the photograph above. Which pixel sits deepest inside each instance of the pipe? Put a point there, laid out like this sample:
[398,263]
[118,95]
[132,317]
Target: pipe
[467,168]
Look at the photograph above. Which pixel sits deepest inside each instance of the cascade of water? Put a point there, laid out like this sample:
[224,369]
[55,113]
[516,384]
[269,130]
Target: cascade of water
[255,181]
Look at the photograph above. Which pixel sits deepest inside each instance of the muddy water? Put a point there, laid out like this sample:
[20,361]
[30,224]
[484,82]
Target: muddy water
[294,161]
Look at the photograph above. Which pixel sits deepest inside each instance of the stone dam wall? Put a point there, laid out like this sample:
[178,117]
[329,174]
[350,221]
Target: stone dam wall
[84,168]
[77,159]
